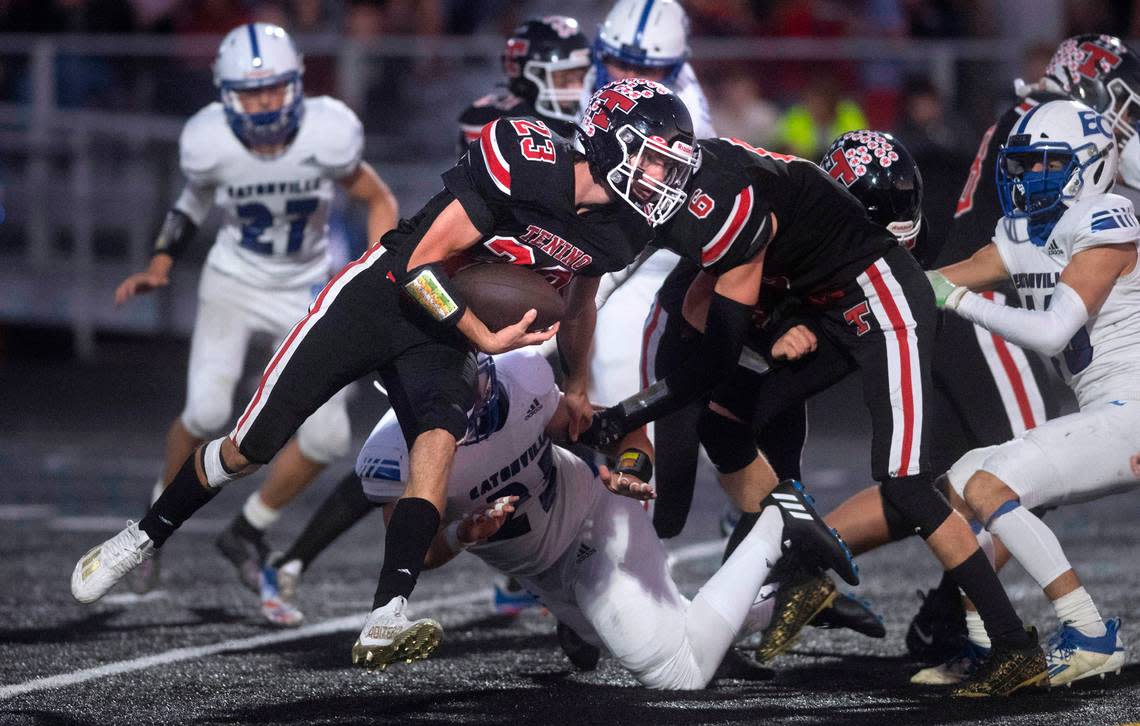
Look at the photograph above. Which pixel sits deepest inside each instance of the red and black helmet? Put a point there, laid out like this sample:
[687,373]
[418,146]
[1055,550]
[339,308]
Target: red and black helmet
[535,52]
[881,173]
[638,139]
[1103,73]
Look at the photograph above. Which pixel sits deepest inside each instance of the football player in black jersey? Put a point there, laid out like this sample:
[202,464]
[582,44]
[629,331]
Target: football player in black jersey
[545,62]
[520,195]
[761,220]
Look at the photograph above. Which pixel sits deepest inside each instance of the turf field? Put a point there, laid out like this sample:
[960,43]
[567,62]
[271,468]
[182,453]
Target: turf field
[80,446]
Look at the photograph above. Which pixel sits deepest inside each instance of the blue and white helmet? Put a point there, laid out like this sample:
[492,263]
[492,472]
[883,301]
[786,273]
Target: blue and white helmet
[645,33]
[258,55]
[1076,150]
[485,416]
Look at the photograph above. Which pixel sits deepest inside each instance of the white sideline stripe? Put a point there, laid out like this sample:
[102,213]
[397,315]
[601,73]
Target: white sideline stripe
[15,512]
[348,622]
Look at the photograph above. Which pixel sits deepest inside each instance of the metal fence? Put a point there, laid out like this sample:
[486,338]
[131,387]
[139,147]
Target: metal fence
[89,128]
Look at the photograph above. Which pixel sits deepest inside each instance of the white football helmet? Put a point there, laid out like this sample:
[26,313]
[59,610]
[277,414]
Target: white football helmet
[647,33]
[258,55]
[1059,152]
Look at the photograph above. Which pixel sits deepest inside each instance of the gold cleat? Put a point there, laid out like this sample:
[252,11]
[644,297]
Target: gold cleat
[796,604]
[1007,670]
[415,642]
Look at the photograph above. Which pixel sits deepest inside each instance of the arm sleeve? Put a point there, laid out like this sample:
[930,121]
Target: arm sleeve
[1046,331]
[725,331]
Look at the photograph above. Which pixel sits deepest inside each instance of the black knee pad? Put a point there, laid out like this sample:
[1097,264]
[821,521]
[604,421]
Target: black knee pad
[728,443]
[897,526]
[923,508]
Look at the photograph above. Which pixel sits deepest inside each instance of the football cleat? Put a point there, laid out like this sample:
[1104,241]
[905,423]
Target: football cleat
[583,655]
[389,636]
[852,613]
[1007,670]
[812,539]
[106,564]
[797,602]
[145,577]
[510,598]
[938,630]
[274,606]
[246,554]
[1073,655]
[288,576]
[956,669]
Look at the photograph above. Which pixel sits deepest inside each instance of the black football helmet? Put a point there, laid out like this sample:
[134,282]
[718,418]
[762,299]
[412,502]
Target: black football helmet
[535,52]
[1103,73]
[638,139]
[881,173]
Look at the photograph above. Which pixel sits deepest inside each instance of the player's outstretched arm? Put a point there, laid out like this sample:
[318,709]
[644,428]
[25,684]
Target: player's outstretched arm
[634,468]
[984,270]
[156,275]
[577,334]
[178,229]
[383,210]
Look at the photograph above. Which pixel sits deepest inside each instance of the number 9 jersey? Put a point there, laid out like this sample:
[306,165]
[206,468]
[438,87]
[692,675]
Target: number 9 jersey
[276,209]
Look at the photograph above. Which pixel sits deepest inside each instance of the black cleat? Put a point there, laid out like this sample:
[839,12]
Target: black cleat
[938,630]
[246,553]
[810,536]
[853,613]
[583,655]
[1007,670]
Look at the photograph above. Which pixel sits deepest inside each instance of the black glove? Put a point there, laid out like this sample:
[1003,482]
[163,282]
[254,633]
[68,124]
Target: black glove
[606,430]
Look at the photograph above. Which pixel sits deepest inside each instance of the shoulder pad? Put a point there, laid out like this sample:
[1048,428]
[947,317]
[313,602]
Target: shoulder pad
[340,142]
[528,369]
[198,147]
[1102,219]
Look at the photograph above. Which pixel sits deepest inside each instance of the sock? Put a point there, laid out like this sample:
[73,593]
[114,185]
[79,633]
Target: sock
[178,502]
[739,532]
[410,532]
[343,507]
[1079,610]
[760,614]
[976,630]
[157,490]
[986,542]
[260,515]
[1030,542]
[980,583]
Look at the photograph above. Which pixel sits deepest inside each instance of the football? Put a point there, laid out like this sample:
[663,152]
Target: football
[501,293]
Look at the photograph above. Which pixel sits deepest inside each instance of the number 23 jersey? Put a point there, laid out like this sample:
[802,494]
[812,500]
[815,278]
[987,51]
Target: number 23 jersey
[1102,361]
[555,488]
[275,210]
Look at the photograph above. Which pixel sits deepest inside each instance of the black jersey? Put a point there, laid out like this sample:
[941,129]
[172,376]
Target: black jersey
[516,183]
[979,209]
[823,239]
[497,105]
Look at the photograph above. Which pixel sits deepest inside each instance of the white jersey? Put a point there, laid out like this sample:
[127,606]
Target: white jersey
[1102,362]
[687,88]
[276,210]
[519,459]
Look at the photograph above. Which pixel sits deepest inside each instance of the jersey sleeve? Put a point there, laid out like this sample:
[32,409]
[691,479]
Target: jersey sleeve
[197,146]
[1111,221]
[533,375]
[382,464]
[195,202]
[342,139]
[513,161]
[734,231]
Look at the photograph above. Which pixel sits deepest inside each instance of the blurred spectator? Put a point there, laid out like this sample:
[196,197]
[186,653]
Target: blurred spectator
[883,20]
[210,17]
[723,17]
[739,111]
[1097,16]
[271,11]
[936,18]
[807,128]
[927,127]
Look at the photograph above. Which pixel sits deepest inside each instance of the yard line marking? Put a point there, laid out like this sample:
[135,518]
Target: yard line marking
[348,622]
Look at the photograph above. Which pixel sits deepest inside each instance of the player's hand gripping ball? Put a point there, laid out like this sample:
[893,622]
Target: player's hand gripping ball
[500,294]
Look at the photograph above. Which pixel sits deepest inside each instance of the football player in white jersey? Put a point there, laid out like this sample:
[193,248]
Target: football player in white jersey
[535,511]
[1070,248]
[270,159]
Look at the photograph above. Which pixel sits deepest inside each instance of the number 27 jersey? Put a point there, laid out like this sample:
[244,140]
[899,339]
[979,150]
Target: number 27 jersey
[275,210]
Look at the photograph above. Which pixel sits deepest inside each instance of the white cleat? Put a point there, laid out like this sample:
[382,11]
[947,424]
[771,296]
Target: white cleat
[389,636]
[274,605]
[1074,656]
[954,671]
[104,565]
[288,578]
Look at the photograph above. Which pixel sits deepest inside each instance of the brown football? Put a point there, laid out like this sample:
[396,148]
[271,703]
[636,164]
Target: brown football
[500,293]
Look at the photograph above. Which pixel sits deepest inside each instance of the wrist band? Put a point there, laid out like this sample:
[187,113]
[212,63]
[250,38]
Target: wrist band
[429,286]
[636,463]
[451,538]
